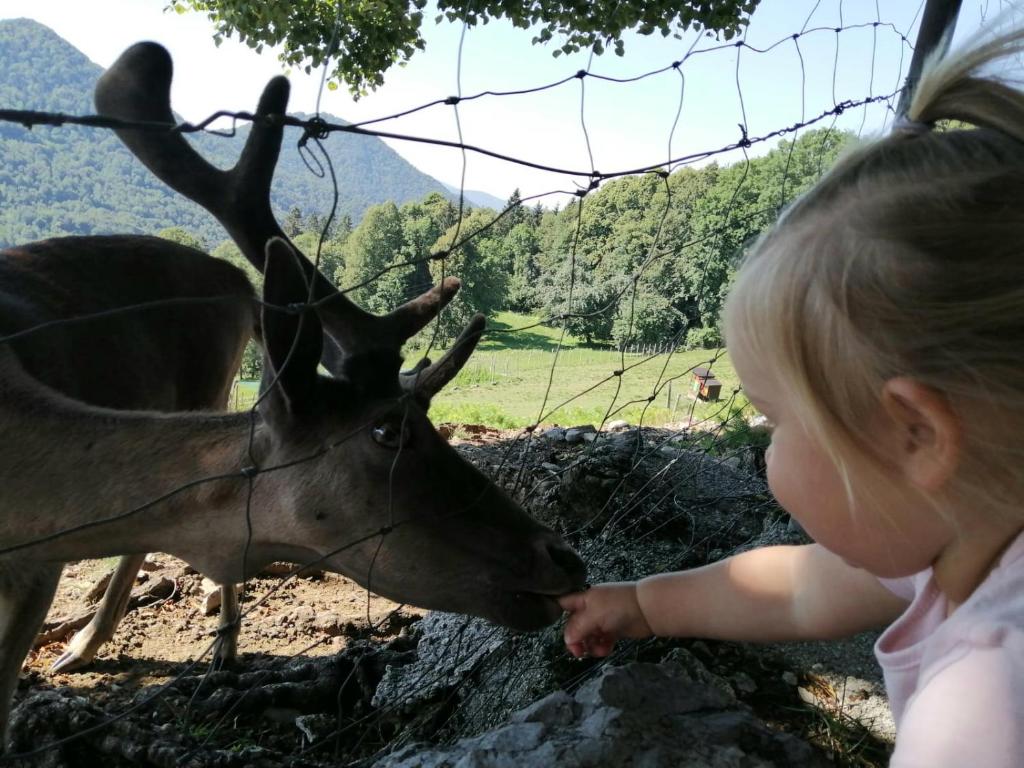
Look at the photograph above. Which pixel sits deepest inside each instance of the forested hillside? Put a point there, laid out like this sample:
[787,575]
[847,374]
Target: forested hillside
[677,236]
[73,180]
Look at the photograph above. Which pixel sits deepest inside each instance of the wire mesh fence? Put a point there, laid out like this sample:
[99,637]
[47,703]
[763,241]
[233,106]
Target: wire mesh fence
[656,475]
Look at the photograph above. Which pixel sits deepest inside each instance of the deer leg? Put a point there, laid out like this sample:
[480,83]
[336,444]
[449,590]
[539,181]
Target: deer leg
[87,641]
[226,649]
[25,596]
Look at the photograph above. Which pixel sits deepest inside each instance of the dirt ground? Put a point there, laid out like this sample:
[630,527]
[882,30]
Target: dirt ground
[308,616]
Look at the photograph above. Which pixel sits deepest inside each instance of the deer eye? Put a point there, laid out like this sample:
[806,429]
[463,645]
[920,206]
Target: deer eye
[390,436]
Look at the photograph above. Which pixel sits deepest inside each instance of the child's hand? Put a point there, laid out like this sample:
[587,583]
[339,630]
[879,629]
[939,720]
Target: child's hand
[602,615]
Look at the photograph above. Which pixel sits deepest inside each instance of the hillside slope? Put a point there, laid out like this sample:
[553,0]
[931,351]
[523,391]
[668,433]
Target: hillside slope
[75,180]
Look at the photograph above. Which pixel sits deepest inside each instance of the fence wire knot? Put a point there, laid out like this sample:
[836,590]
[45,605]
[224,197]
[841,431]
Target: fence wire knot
[744,140]
[315,128]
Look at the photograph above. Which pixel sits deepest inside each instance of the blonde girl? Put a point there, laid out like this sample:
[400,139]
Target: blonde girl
[880,327]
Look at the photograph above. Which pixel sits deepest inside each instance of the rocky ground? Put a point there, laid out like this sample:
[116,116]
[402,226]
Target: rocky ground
[329,675]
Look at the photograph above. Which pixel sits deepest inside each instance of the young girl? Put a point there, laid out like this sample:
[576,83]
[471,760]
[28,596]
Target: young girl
[880,327]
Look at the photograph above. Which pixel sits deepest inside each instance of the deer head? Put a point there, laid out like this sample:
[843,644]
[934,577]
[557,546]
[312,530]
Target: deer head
[388,502]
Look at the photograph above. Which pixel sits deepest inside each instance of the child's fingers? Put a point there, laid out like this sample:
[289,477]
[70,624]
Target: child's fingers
[601,645]
[574,601]
[585,636]
[578,650]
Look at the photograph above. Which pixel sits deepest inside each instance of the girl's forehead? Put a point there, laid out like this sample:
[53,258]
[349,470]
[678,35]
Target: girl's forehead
[749,364]
[758,378]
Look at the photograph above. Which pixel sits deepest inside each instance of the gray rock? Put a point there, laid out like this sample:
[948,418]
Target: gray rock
[576,434]
[643,715]
[559,708]
[451,646]
[613,426]
[744,682]
[554,435]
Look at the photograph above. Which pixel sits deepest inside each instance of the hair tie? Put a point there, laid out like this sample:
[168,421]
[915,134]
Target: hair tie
[909,127]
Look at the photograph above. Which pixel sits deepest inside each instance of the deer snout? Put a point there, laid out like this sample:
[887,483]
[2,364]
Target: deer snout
[566,570]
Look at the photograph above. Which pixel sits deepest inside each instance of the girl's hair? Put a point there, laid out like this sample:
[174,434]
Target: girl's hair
[907,259]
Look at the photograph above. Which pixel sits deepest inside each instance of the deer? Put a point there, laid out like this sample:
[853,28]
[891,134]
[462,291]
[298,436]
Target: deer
[173,360]
[342,470]
[137,88]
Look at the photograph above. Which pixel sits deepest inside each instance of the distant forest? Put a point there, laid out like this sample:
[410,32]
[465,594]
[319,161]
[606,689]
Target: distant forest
[675,238]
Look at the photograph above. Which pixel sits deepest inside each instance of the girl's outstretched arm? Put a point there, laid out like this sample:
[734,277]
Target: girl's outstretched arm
[774,593]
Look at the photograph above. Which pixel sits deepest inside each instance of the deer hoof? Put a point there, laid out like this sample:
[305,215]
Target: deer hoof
[225,652]
[71,660]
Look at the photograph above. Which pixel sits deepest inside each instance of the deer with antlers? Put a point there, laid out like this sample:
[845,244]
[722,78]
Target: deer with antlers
[344,471]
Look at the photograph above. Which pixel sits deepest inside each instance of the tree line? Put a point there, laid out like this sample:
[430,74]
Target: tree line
[644,259]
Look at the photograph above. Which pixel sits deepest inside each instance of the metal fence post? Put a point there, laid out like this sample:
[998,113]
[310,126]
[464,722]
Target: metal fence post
[935,32]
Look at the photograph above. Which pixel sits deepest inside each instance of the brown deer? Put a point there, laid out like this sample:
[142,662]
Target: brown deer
[173,359]
[137,88]
[346,470]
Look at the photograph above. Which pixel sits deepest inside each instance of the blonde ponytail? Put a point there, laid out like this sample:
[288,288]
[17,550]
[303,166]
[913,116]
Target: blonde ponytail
[958,88]
[907,259]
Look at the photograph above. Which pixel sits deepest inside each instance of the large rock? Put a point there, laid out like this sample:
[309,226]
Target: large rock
[643,715]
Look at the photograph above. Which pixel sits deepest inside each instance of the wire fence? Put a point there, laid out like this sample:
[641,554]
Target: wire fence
[632,500]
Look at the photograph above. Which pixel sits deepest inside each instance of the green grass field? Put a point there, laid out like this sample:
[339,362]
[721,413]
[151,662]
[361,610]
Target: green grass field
[521,377]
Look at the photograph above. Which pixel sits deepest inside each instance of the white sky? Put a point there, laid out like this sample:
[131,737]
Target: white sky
[628,125]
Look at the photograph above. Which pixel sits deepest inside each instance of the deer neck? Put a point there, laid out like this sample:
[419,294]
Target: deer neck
[120,482]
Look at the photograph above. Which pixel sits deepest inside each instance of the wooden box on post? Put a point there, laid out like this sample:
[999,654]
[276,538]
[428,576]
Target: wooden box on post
[704,386]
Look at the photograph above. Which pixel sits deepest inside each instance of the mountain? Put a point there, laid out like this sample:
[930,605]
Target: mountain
[477,198]
[77,180]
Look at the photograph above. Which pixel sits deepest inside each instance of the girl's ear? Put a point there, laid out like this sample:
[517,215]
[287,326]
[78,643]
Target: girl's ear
[924,434]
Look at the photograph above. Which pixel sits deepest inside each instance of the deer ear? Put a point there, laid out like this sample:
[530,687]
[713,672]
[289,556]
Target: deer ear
[292,341]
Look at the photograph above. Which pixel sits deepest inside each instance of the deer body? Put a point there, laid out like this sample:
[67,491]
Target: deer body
[65,464]
[172,359]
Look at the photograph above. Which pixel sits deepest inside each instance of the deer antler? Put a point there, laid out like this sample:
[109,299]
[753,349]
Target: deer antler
[427,380]
[137,88]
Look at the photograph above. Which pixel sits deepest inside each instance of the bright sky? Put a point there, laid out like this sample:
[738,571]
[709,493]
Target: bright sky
[628,125]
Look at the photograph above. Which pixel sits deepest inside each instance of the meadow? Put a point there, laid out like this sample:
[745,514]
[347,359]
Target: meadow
[525,373]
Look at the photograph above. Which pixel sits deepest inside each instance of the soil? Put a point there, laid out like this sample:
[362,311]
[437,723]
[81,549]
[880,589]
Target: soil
[311,617]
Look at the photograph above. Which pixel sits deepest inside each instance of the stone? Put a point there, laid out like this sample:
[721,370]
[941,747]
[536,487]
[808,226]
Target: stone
[576,434]
[642,715]
[554,435]
[744,682]
[618,424]
[558,708]
[210,596]
[514,737]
